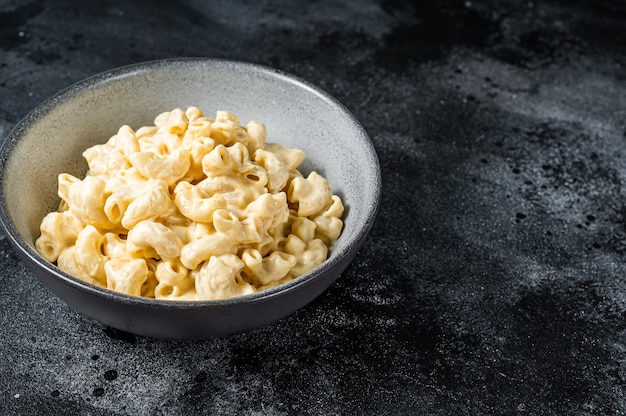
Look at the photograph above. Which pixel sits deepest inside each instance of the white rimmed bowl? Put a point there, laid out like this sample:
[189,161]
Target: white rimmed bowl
[50,140]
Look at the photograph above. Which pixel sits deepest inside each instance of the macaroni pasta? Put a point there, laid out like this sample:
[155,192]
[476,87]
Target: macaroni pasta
[191,208]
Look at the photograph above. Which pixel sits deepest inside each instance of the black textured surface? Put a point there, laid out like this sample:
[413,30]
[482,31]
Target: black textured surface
[493,281]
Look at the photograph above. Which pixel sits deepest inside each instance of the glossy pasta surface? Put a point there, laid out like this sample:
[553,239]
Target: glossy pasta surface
[191,208]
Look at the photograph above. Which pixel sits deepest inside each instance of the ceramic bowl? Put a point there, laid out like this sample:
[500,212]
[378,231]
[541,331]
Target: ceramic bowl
[50,140]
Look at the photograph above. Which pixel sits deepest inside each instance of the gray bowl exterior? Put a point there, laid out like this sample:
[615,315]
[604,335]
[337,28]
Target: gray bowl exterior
[50,140]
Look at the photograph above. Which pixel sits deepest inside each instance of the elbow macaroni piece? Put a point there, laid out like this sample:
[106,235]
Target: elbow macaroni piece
[89,252]
[126,275]
[219,278]
[59,230]
[153,202]
[155,237]
[193,204]
[191,208]
[312,194]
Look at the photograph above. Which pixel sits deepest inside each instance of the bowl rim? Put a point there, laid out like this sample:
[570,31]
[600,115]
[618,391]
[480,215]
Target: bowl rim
[97,80]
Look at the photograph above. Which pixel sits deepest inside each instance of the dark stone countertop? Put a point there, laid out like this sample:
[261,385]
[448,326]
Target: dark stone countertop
[494,278]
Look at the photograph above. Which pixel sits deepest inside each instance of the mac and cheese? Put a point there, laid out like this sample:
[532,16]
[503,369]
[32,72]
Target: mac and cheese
[191,208]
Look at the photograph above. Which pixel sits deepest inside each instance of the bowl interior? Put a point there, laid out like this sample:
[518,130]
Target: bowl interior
[52,138]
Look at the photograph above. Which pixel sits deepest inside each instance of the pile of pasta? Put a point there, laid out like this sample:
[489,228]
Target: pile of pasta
[191,208]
